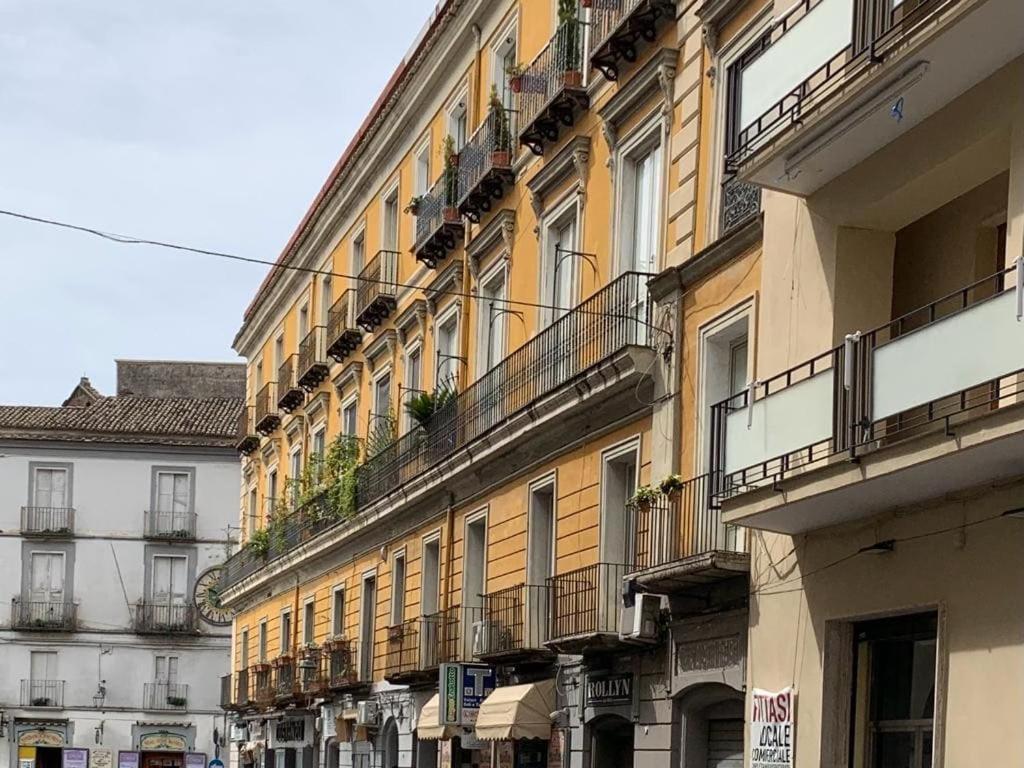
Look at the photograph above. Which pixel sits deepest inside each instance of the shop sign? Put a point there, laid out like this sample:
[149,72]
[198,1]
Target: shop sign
[75,758]
[127,760]
[463,688]
[195,760]
[41,737]
[292,733]
[101,757]
[772,729]
[26,757]
[555,748]
[609,690]
[505,754]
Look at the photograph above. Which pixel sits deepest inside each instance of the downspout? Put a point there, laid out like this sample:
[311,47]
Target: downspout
[449,548]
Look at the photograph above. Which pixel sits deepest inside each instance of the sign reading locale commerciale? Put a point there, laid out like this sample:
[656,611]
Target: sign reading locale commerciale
[772,729]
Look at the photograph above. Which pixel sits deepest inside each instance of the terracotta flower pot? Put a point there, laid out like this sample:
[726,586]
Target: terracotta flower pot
[572,78]
[515,84]
[500,159]
[451,215]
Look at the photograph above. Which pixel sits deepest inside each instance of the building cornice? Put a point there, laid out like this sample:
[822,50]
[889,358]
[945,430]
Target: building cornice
[658,73]
[447,281]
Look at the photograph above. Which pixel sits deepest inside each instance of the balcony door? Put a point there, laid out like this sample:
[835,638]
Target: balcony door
[173,500]
[46,585]
[540,561]
[169,589]
[367,611]
[43,677]
[558,281]
[50,488]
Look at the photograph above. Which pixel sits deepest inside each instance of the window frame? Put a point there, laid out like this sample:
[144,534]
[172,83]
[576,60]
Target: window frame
[646,140]
[499,272]
[308,629]
[569,207]
[284,640]
[452,315]
[338,621]
[399,560]
[391,196]
[458,110]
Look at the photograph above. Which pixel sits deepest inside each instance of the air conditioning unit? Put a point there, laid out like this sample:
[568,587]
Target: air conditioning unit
[239,732]
[367,713]
[639,623]
[481,637]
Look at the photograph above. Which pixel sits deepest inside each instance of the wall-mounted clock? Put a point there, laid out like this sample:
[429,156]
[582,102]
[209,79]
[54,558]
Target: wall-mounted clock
[207,597]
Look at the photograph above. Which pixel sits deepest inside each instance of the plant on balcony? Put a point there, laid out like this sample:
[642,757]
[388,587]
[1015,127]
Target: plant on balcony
[450,180]
[176,701]
[501,151]
[381,434]
[415,202]
[42,701]
[259,542]
[644,496]
[423,407]
[672,484]
[567,44]
[515,77]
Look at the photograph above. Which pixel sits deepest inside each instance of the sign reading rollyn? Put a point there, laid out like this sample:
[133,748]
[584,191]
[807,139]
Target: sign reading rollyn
[772,729]
[609,690]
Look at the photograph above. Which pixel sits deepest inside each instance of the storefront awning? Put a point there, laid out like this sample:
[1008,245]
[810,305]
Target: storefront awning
[517,712]
[427,727]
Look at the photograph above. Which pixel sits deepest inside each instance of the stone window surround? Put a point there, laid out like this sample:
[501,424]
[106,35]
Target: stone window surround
[66,548]
[171,550]
[159,469]
[69,487]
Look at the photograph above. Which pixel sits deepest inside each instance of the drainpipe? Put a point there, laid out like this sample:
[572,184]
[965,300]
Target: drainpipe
[449,549]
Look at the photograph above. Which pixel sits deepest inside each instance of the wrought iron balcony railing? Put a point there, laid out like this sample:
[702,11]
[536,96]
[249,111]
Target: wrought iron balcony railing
[343,334]
[43,615]
[740,203]
[312,362]
[376,290]
[161,695]
[289,394]
[285,681]
[242,691]
[550,90]
[42,693]
[47,521]
[164,618]
[267,417]
[611,320]
[174,525]
[248,435]
[341,667]
[416,647]
[485,164]
[587,601]
[439,227]
[514,622]
[261,681]
[619,27]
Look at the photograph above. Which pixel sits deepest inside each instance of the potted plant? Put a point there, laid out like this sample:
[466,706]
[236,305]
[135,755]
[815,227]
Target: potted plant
[644,496]
[259,542]
[41,701]
[176,701]
[501,150]
[567,45]
[451,181]
[515,77]
[415,202]
[671,485]
[423,407]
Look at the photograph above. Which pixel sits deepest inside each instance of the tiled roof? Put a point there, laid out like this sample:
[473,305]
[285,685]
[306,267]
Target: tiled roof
[128,419]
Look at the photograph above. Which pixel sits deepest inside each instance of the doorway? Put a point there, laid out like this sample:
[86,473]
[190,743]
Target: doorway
[163,759]
[389,742]
[48,757]
[619,478]
[611,742]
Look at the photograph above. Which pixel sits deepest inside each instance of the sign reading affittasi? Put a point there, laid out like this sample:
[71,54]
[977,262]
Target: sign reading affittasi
[772,729]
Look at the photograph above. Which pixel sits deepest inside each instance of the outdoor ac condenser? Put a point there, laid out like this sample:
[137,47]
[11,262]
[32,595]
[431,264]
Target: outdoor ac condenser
[639,622]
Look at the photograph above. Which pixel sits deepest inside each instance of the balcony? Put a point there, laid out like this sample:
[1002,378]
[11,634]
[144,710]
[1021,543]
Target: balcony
[312,362]
[551,92]
[261,680]
[681,545]
[340,666]
[227,700]
[439,227]
[56,522]
[285,680]
[585,608]
[514,625]
[168,525]
[620,27]
[608,324]
[343,334]
[42,693]
[415,648]
[43,616]
[248,436]
[922,406]
[165,697]
[164,619]
[820,95]
[485,164]
[289,394]
[376,290]
[267,417]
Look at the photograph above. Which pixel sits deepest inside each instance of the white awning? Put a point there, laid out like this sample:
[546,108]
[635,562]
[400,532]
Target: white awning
[517,712]
[427,727]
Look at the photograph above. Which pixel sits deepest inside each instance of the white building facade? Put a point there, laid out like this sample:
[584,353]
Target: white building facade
[115,515]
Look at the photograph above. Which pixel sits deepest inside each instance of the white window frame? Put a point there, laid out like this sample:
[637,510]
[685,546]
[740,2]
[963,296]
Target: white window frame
[453,312]
[412,348]
[398,606]
[483,325]
[385,372]
[308,632]
[549,480]
[632,445]
[270,498]
[65,597]
[366,576]
[326,295]
[279,353]
[569,206]
[473,519]
[293,473]
[262,641]
[353,403]
[338,622]
[391,191]
[284,640]
[648,137]
[507,39]
[243,648]
[259,375]
[434,537]
[152,586]
[302,321]
[173,473]
[65,470]
[358,237]
[252,512]
[422,179]
[458,106]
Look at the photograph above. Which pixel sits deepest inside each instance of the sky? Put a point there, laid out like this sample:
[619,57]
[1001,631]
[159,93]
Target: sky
[211,123]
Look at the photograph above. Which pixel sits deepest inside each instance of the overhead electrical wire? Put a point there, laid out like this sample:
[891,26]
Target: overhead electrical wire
[122,239]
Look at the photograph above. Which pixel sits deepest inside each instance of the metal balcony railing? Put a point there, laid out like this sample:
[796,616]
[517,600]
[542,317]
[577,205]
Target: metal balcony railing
[164,618]
[47,521]
[289,394]
[242,689]
[619,27]
[684,523]
[227,700]
[485,164]
[439,227]
[341,668]
[248,435]
[376,290]
[343,334]
[285,681]
[43,615]
[312,362]
[161,695]
[587,601]
[261,681]
[740,203]
[42,693]
[401,650]
[416,647]
[267,417]
[614,318]
[514,621]
[550,90]
[175,525]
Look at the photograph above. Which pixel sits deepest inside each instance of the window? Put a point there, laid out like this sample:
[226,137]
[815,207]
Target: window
[254,514]
[170,580]
[46,579]
[619,480]
[504,58]
[271,497]
[398,587]
[309,622]
[319,447]
[286,631]
[738,365]
[338,612]
[458,121]
[540,530]
[262,649]
[259,375]
[243,651]
[50,487]
[326,299]
[724,367]
[367,611]
[475,577]
[349,413]
[559,263]
[42,666]
[430,577]
[894,665]
[640,205]
[295,472]
[358,253]
[173,492]
[446,341]
[423,179]
[389,235]
[413,380]
[303,321]
[279,354]
[165,670]
[491,319]
[382,396]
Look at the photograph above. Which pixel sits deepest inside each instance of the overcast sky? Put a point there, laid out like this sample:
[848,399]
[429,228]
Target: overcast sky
[207,122]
